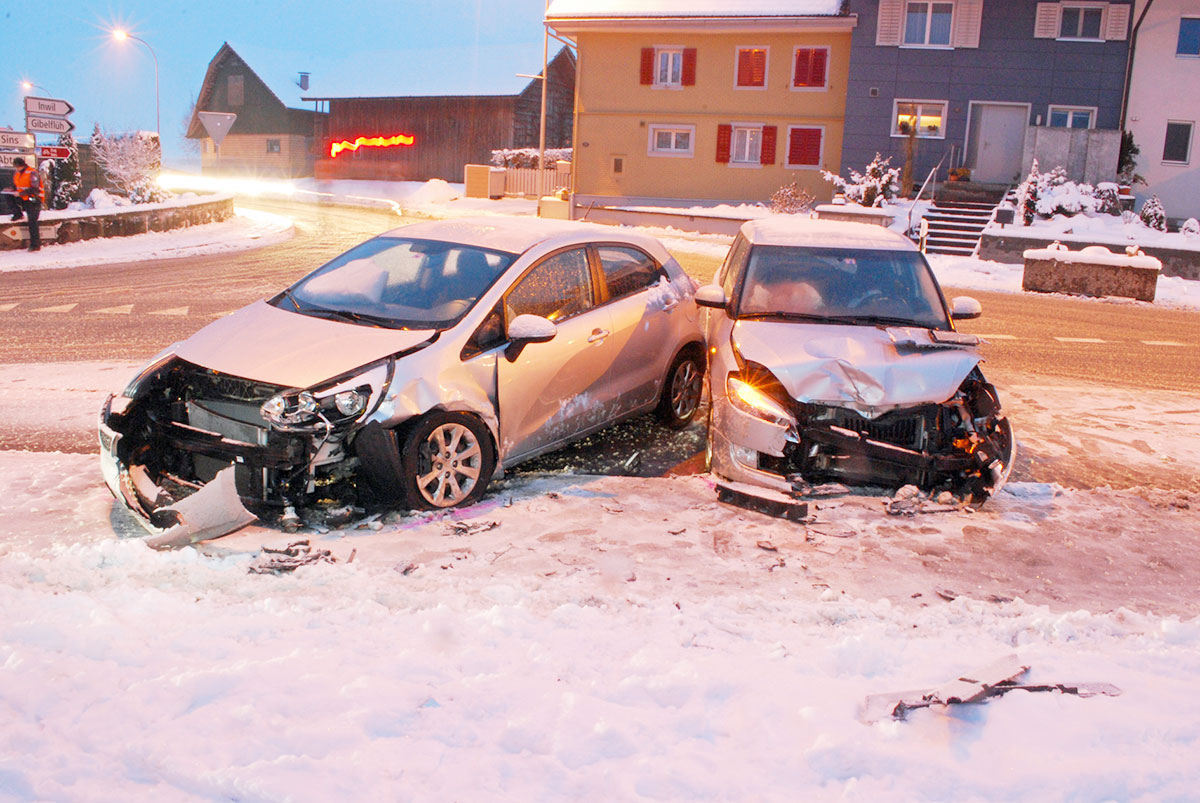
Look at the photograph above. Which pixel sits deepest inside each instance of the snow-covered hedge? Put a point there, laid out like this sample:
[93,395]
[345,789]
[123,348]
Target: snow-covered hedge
[875,186]
[528,157]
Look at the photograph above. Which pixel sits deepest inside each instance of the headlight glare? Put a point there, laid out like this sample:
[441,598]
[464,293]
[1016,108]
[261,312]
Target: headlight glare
[752,401]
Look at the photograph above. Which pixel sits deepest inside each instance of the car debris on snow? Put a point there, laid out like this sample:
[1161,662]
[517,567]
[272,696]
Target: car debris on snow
[762,500]
[470,527]
[911,500]
[290,558]
[993,680]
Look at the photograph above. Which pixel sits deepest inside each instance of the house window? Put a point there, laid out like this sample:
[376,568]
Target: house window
[1178,144]
[235,94]
[668,70]
[746,146]
[668,140]
[804,146]
[752,67]
[926,117]
[1080,22]
[810,68]
[273,146]
[1189,37]
[928,24]
[1071,117]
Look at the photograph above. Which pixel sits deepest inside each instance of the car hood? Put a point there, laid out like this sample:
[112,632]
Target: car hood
[870,369]
[273,345]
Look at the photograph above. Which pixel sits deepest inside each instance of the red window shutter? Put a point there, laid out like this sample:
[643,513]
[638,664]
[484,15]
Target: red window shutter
[647,66]
[689,67]
[724,143]
[744,68]
[820,62]
[805,147]
[769,135]
[758,75]
[803,72]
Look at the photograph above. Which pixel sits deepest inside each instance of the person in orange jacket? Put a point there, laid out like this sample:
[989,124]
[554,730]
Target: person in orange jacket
[30,195]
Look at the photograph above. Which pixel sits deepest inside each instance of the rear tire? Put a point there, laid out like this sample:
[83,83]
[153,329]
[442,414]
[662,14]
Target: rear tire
[448,460]
[681,392]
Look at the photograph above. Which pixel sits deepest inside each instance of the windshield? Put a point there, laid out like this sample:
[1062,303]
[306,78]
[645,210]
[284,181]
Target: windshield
[398,282]
[845,285]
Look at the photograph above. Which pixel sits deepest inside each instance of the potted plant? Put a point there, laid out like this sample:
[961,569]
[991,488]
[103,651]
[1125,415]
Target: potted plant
[960,174]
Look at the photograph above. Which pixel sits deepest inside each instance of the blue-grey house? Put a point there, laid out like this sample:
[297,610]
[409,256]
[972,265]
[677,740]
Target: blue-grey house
[988,84]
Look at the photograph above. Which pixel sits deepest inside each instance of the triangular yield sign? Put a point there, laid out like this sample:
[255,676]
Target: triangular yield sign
[217,124]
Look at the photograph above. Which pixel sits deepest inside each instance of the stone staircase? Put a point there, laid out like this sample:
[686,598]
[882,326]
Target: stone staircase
[958,215]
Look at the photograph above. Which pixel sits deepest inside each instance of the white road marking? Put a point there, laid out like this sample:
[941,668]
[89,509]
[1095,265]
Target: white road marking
[122,310]
[59,308]
[171,311]
[7,307]
[998,337]
[1079,340]
[1163,343]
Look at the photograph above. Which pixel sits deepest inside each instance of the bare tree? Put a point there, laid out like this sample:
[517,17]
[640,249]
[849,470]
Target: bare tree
[132,162]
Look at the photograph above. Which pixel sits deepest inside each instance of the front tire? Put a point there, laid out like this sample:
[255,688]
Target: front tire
[448,460]
[682,391]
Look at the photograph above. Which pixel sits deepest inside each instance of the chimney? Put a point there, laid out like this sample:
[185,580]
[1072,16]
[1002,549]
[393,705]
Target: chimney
[303,81]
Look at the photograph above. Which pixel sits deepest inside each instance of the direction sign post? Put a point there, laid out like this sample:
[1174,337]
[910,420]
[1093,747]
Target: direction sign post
[48,125]
[6,159]
[53,152]
[52,107]
[16,141]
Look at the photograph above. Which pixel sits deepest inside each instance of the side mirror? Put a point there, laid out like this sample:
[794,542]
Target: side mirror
[964,308]
[526,329]
[711,296]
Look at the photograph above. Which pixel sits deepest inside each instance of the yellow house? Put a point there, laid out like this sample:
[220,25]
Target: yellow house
[696,102]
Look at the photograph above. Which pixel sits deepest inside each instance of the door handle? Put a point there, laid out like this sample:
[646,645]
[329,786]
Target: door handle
[598,334]
[670,305]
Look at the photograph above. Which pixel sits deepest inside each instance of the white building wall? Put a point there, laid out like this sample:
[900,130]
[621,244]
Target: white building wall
[1165,86]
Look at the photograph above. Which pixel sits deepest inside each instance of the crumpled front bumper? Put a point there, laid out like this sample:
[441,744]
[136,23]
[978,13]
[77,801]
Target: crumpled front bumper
[736,438]
[213,511]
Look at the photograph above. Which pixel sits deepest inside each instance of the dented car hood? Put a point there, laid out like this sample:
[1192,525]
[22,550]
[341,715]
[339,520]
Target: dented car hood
[280,347]
[870,369]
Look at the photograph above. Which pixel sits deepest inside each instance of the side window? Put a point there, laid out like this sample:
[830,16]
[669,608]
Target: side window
[733,265]
[626,270]
[558,287]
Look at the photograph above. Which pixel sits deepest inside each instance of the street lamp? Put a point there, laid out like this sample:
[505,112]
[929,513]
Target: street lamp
[29,86]
[121,35]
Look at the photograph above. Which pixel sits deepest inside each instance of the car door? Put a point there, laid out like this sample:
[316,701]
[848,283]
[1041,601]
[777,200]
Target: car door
[553,391]
[643,306]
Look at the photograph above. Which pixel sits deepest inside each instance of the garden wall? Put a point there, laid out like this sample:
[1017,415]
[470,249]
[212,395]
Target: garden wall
[1010,248]
[87,224]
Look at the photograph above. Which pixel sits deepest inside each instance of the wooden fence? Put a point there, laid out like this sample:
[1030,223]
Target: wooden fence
[529,181]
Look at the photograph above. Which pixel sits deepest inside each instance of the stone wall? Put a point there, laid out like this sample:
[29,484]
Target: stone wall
[69,227]
[1010,249]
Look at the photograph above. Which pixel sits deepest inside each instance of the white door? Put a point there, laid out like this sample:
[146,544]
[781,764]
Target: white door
[998,142]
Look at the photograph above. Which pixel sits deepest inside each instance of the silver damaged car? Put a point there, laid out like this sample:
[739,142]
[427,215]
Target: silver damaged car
[834,358]
[406,372]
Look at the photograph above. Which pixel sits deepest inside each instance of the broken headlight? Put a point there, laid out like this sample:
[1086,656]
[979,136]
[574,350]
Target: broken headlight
[337,400]
[752,401]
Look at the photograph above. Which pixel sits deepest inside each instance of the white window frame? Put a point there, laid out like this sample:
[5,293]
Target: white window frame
[787,153]
[896,132]
[737,51]
[1191,124]
[1101,7]
[659,52]
[925,45]
[1054,107]
[1179,55]
[733,137]
[652,143]
[792,69]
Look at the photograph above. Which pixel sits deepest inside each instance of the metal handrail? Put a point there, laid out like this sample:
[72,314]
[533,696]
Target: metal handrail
[921,191]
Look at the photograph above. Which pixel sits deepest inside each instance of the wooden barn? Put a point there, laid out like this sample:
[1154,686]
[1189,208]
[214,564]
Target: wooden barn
[422,137]
[268,138]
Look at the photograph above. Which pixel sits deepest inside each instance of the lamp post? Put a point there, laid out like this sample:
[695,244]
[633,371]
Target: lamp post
[121,36]
[29,86]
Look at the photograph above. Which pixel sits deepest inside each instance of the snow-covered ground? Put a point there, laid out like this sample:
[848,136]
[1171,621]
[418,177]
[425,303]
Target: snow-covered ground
[610,638]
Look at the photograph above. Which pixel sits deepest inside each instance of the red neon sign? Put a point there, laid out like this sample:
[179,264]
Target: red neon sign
[371,142]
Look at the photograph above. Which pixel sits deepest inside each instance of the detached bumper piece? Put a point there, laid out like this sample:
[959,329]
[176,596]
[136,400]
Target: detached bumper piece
[762,500]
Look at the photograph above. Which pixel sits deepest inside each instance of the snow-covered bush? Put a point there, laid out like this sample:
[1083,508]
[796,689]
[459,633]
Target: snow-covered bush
[790,199]
[1044,195]
[875,186]
[1191,227]
[1027,195]
[65,176]
[1108,198]
[131,162]
[528,157]
[1153,214]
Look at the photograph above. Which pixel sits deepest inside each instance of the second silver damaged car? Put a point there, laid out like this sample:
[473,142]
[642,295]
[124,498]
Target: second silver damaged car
[834,358]
[406,373]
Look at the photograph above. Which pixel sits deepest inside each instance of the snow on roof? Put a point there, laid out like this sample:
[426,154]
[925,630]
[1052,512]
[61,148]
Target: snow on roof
[692,8]
[389,73]
[807,232]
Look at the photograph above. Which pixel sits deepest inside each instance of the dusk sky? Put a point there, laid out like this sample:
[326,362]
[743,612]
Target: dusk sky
[404,47]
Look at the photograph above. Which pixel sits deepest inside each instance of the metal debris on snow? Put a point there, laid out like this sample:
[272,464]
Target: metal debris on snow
[993,680]
[910,500]
[290,558]
[471,527]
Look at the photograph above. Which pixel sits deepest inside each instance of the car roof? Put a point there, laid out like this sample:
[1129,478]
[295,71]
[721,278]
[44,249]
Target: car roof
[807,232]
[518,234]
